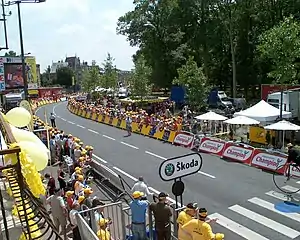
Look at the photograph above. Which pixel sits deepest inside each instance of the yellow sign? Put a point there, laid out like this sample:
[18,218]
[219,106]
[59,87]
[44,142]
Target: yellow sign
[31,70]
[258,134]
[25,104]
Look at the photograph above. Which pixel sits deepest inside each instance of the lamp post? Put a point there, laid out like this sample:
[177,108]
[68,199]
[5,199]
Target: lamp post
[21,39]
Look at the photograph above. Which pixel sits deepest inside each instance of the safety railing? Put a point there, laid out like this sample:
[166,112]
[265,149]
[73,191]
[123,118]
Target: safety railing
[86,232]
[113,213]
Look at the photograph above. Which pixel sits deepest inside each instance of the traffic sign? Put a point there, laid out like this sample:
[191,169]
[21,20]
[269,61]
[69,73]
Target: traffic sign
[178,167]
[2,86]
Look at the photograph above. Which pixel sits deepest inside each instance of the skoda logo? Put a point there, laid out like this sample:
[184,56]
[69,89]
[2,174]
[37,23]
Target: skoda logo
[169,169]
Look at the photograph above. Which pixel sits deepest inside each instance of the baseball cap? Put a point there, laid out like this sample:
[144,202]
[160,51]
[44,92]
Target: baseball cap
[80,177]
[80,199]
[163,195]
[88,191]
[219,236]
[69,193]
[203,212]
[77,168]
[192,206]
[103,221]
[137,194]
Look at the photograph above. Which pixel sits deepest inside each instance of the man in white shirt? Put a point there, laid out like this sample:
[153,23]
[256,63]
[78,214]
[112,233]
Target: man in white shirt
[73,221]
[140,186]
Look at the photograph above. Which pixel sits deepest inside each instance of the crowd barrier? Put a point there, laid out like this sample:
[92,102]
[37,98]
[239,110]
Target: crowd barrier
[147,130]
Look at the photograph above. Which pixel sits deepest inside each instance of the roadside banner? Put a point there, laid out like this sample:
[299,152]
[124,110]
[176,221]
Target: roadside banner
[31,72]
[185,139]
[238,152]
[212,145]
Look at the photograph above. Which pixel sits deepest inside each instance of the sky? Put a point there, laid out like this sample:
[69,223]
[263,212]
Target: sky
[59,28]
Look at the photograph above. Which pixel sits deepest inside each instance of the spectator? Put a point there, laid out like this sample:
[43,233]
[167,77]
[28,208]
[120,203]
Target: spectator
[78,186]
[62,181]
[78,171]
[73,221]
[103,233]
[184,217]
[53,149]
[52,120]
[138,216]
[50,184]
[59,212]
[199,229]
[140,186]
[162,214]
[70,199]
[87,194]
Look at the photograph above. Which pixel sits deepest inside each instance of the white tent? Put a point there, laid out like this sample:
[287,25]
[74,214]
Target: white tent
[241,120]
[263,112]
[283,126]
[211,116]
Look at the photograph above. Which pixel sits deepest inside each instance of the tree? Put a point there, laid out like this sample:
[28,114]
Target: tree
[281,46]
[109,79]
[192,78]
[46,78]
[64,76]
[91,78]
[139,80]
[10,54]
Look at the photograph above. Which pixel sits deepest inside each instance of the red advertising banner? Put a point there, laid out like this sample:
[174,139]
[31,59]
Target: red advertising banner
[268,160]
[271,88]
[238,152]
[212,145]
[185,139]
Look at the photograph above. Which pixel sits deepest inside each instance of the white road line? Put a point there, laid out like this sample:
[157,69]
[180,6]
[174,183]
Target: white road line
[80,126]
[206,174]
[270,206]
[128,145]
[155,155]
[291,189]
[99,158]
[93,131]
[236,228]
[289,232]
[71,122]
[298,182]
[277,195]
[108,137]
[63,119]
[125,173]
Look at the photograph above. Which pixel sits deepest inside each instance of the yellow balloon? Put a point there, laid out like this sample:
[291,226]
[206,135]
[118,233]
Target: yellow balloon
[23,135]
[38,156]
[18,117]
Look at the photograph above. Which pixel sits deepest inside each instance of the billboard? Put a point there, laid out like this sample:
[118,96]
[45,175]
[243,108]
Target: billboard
[31,72]
[13,76]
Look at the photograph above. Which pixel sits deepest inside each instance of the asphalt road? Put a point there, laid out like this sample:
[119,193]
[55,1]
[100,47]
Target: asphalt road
[243,198]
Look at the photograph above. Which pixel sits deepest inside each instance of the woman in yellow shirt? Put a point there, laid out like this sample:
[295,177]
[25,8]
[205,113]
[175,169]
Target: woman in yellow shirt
[198,229]
[103,233]
[184,217]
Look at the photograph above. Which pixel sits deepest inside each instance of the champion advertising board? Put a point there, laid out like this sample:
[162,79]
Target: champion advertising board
[238,153]
[267,160]
[185,139]
[210,145]
[179,167]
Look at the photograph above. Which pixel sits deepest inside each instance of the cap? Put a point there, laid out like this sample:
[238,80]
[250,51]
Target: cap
[88,191]
[102,222]
[80,177]
[77,168]
[78,171]
[80,199]
[219,236]
[69,193]
[137,194]
[203,212]
[163,195]
[192,206]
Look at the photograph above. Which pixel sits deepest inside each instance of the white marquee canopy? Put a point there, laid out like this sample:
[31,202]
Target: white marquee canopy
[211,116]
[263,112]
[241,120]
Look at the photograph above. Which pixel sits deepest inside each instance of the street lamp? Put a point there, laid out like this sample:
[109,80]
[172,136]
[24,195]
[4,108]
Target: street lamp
[18,2]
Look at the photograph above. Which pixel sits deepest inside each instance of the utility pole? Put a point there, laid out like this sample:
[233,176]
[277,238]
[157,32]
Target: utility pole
[4,25]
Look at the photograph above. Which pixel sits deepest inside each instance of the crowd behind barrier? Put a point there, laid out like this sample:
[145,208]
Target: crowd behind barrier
[257,157]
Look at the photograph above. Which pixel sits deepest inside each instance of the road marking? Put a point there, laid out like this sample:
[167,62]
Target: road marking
[270,206]
[125,173]
[80,126]
[93,131]
[108,137]
[278,195]
[206,174]
[291,189]
[71,122]
[128,145]
[63,119]
[236,228]
[99,158]
[155,155]
[289,232]
[298,182]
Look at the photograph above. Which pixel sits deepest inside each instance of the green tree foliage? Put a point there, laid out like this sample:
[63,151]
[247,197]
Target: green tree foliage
[193,79]
[139,81]
[91,78]
[109,79]
[64,77]
[281,46]
[46,80]
[222,35]
[10,54]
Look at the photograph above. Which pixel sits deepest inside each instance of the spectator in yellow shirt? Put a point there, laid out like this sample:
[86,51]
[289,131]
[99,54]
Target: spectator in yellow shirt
[198,229]
[184,217]
[103,233]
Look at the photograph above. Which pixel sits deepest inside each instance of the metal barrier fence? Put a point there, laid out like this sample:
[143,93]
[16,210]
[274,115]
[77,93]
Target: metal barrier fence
[85,231]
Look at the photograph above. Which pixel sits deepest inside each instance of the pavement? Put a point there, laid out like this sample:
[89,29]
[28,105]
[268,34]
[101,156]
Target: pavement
[244,199]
